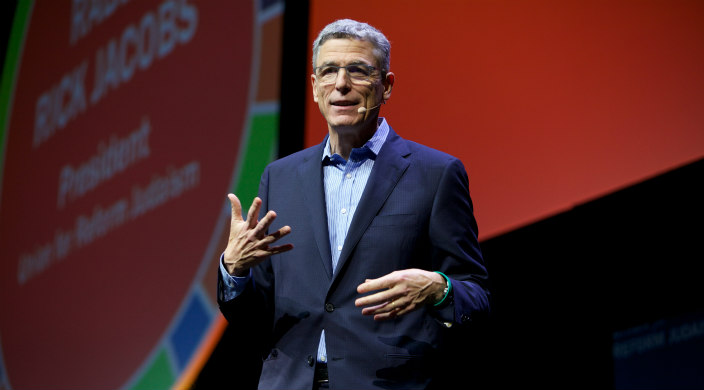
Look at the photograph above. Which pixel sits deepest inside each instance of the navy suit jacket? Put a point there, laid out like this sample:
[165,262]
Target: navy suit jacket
[415,212]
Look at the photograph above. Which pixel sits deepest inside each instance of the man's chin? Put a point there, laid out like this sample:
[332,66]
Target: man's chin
[345,121]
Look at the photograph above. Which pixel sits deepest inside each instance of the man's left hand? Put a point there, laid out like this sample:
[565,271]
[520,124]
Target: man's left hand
[400,292]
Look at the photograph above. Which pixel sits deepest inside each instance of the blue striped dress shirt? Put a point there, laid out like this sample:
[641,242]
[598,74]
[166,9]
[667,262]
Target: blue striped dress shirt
[344,182]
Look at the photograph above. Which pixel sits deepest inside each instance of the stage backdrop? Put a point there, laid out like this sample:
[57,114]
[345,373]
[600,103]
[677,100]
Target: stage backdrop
[124,125]
[548,103]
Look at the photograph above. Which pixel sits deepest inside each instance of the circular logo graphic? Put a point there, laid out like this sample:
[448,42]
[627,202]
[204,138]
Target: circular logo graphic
[121,141]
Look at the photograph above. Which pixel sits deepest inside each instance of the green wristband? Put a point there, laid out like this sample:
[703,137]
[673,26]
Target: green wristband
[447,289]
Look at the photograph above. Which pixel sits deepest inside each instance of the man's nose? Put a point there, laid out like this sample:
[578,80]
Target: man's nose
[342,81]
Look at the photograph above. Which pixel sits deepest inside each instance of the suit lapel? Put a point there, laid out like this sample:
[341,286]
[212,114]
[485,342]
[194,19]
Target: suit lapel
[311,176]
[389,166]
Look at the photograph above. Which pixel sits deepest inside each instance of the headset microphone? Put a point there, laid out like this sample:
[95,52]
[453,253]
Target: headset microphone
[362,110]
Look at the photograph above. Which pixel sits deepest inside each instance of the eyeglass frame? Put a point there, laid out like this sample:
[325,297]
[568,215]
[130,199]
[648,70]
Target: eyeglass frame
[368,79]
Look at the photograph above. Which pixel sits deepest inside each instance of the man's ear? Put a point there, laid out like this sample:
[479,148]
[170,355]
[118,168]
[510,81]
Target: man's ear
[312,82]
[388,85]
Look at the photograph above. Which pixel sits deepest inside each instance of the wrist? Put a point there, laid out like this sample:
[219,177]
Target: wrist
[232,268]
[238,271]
[447,291]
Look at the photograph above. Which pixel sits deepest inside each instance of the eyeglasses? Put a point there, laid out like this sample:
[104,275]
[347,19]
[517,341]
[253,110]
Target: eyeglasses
[358,73]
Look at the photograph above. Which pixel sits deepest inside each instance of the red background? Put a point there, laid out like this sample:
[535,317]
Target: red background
[548,103]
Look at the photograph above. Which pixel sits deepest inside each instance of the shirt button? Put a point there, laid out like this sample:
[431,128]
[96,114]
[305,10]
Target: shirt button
[329,307]
[343,211]
[349,176]
[339,247]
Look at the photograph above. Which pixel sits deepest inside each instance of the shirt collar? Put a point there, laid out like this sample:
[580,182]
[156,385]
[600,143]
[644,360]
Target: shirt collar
[373,145]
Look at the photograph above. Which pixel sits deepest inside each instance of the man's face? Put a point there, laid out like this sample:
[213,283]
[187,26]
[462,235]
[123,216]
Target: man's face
[340,99]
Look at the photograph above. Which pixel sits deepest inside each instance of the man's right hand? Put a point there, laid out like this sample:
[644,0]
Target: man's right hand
[248,244]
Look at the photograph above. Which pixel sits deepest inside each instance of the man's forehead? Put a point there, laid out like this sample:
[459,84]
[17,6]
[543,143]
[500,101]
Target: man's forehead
[346,49]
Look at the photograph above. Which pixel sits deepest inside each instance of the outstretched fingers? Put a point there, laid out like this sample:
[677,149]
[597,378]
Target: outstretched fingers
[254,212]
[275,236]
[258,231]
[249,242]
[275,250]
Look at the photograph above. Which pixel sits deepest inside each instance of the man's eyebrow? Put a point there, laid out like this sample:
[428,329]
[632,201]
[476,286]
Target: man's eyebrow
[358,62]
[335,63]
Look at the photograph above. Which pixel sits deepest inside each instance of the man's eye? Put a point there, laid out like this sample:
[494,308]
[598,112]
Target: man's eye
[357,70]
[328,70]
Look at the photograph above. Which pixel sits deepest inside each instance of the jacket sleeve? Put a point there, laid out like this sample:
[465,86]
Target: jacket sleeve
[455,249]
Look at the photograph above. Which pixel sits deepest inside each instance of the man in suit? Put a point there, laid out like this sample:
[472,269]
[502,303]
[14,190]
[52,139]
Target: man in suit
[382,274]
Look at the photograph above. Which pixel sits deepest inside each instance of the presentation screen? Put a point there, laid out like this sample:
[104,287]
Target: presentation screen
[124,126]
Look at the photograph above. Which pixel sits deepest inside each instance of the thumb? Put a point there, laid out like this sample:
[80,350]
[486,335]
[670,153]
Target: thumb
[236,207]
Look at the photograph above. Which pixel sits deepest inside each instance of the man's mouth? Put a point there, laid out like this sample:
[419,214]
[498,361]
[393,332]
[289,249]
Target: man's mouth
[343,103]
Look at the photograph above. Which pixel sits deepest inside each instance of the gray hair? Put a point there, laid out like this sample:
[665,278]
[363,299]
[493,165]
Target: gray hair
[348,28]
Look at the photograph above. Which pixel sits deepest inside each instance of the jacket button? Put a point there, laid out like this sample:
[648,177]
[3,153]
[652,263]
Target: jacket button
[310,360]
[329,307]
